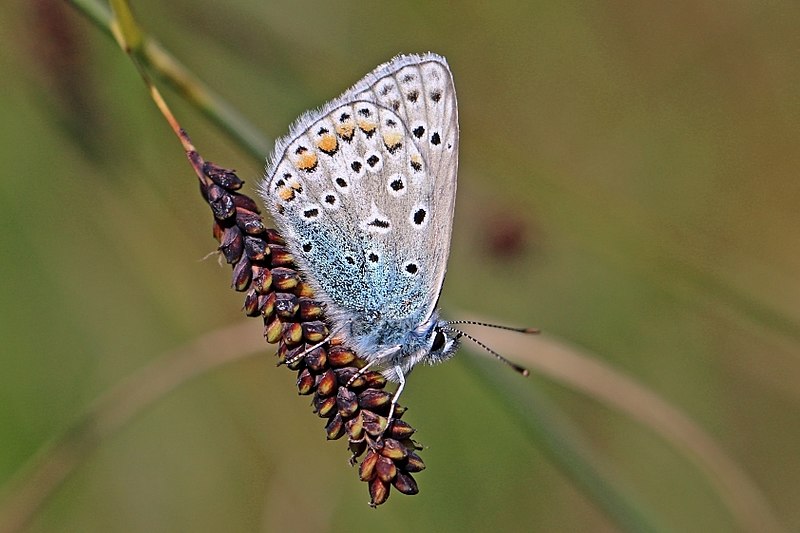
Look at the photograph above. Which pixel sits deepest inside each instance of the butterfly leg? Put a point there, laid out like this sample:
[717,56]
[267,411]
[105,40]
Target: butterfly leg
[361,372]
[302,354]
[402,379]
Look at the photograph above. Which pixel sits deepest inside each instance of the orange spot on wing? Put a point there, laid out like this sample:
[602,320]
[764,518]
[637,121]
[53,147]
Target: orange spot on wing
[286,194]
[306,161]
[345,130]
[392,138]
[367,125]
[327,143]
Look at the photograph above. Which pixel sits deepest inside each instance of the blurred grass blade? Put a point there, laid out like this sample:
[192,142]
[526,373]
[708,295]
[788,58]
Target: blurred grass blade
[554,435]
[169,70]
[125,29]
[588,374]
[56,461]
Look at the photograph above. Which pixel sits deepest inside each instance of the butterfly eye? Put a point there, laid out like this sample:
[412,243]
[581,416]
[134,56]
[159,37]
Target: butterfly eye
[438,341]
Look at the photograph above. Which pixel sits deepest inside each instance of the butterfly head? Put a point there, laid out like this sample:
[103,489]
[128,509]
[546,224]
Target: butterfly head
[430,343]
[442,344]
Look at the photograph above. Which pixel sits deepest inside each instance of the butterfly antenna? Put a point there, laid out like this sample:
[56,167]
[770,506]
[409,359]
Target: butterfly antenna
[497,326]
[521,369]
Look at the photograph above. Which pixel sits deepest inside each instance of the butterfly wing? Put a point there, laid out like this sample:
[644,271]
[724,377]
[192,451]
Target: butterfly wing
[363,191]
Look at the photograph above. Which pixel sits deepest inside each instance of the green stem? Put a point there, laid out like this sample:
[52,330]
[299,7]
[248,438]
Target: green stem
[170,71]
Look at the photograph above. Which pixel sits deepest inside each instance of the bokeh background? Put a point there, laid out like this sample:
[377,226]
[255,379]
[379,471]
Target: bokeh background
[628,183]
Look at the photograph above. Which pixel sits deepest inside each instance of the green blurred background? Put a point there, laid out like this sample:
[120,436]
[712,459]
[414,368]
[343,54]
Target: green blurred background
[628,183]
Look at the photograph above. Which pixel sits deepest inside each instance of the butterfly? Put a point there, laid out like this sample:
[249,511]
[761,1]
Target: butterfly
[363,191]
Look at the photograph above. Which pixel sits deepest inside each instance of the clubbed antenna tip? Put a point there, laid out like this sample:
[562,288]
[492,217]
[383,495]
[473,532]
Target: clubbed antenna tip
[520,369]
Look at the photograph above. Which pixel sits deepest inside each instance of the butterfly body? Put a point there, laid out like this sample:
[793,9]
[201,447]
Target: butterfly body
[363,191]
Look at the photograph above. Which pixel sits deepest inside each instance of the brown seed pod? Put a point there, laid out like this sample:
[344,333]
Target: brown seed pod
[353,402]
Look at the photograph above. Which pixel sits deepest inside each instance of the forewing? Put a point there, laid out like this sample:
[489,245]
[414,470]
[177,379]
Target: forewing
[420,89]
[364,189]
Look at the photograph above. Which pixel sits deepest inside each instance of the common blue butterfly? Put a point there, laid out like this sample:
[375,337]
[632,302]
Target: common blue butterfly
[363,191]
